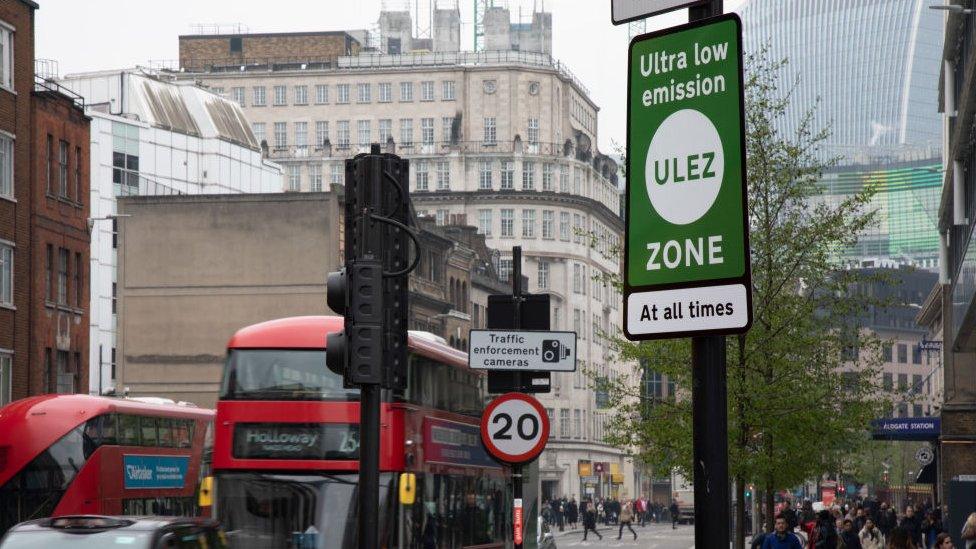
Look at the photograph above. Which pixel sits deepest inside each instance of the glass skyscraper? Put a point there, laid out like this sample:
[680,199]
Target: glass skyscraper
[871,68]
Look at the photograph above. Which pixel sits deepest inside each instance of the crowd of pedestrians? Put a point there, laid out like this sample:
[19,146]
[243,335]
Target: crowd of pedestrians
[563,513]
[865,525]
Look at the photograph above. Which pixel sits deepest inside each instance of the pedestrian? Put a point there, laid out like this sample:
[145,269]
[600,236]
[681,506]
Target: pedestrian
[572,511]
[782,538]
[969,531]
[886,519]
[910,523]
[901,539]
[824,535]
[640,507]
[626,518]
[589,520]
[944,541]
[674,514]
[931,527]
[790,515]
[871,536]
[848,536]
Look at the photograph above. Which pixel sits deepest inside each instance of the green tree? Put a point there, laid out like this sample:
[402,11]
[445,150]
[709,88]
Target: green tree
[802,383]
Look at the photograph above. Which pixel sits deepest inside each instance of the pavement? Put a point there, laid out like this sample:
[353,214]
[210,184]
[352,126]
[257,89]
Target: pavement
[651,536]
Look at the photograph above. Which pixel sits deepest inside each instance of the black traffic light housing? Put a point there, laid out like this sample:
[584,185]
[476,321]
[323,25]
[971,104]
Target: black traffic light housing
[371,291]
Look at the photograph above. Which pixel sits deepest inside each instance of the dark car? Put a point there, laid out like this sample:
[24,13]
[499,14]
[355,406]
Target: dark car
[94,531]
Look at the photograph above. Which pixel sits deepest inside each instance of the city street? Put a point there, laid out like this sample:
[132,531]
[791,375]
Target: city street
[652,536]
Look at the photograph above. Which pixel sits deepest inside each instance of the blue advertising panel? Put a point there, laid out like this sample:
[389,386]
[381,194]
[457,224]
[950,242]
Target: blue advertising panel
[454,443]
[906,428]
[143,471]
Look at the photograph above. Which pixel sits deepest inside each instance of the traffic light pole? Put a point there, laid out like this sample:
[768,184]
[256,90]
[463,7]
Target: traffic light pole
[369,465]
[710,414]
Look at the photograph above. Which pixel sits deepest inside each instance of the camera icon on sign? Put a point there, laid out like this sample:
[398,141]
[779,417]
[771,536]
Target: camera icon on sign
[553,351]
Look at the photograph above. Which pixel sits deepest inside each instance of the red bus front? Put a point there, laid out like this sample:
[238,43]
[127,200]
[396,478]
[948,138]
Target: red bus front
[287,447]
[80,454]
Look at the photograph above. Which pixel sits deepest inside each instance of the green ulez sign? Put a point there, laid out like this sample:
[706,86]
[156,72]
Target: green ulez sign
[687,250]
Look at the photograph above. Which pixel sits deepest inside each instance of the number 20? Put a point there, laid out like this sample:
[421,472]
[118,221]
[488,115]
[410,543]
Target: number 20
[502,434]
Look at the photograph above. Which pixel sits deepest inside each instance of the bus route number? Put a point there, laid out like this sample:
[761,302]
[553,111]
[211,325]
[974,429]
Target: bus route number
[514,428]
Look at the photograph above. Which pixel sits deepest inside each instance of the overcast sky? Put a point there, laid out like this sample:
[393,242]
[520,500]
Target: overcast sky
[84,35]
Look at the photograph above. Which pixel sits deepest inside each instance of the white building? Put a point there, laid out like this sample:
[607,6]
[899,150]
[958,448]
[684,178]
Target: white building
[504,140]
[155,137]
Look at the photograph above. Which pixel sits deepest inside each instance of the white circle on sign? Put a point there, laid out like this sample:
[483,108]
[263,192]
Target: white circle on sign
[514,428]
[684,168]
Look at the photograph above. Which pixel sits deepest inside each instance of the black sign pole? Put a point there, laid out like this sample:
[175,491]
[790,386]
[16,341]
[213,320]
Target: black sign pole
[710,413]
[517,324]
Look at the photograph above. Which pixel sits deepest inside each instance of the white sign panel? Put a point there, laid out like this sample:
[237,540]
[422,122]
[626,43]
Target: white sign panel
[522,350]
[628,10]
[687,309]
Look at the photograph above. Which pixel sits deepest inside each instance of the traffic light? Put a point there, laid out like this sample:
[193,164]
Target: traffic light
[371,290]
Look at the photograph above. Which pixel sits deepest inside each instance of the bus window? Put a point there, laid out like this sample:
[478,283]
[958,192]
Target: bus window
[166,439]
[182,433]
[128,430]
[287,374]
[108,429]
[149,431]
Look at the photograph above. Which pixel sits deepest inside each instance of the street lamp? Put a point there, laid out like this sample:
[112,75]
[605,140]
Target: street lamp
[91,220]
[952,8]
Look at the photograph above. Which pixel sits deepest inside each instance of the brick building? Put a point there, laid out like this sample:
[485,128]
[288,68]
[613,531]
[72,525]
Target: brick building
[59,261]
[16,82]
[203,51]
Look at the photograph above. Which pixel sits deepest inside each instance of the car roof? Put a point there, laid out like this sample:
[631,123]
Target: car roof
[140,522]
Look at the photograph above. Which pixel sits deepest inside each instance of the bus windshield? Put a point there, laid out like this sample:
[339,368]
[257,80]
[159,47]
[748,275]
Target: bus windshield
[281,374]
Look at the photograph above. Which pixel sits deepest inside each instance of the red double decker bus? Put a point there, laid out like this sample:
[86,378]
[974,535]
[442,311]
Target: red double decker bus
[286,447]
[80,454]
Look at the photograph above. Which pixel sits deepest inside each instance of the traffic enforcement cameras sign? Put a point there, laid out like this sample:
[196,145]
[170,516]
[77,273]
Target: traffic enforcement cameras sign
[687,237]
[623,11]
[522,350]
[514,428]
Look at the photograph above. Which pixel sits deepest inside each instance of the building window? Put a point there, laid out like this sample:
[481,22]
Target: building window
[577,181]
[259,131]
[447,129]
[564,423]
[364,128]
[564,179]
[386,92]
[427,91]
[79,190]
[6,166]
[484,176]
[406,91]
[6,370]
[321,132]
[49,274]
[386,130]
[490,134]
[125,159]
[79,281]
[237,94]
[577,227]
[406,132]
[62,276]
[564,226]
[342,93]
[543,280]
[423,178]
[364,94]
[902,353]
[508,174]
[484,222]
[505,269]
[886,353]
[6,275]
[533,131]
[280,95]
[260,97]
[528,176]
[315,175]
[577,278]
[578,325]
[528,223]
[440,217]
[548,224]
[916,354]
[552,419]
[301,134]
[48,160]
[448,91]
[547,177]
[336,175]
[301,95]
[342,134]
[281,135]
[321,94]
[597,285]
[443,176]
[65,378]
[294,177]
[427,131]
[508,223]
[6,57]
[887,381]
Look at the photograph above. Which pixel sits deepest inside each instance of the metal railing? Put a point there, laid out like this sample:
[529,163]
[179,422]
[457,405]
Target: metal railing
[368,60]
[44,84]
[330,150]
[132,184]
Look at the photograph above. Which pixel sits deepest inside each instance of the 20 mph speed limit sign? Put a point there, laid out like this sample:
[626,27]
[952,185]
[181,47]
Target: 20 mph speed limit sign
[514,428]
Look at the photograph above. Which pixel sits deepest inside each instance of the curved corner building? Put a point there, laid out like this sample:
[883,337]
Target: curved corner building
[873,65]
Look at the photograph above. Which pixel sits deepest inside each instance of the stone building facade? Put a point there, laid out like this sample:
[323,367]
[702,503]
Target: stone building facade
[504,139]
